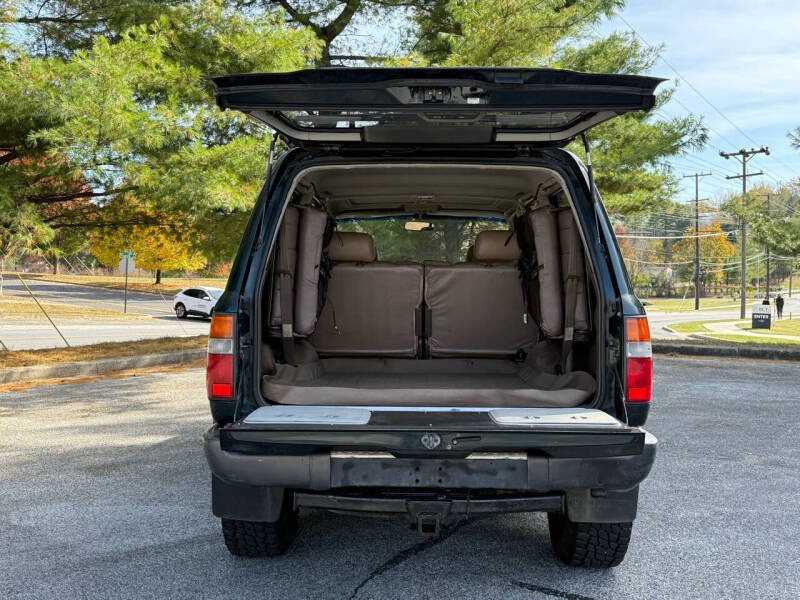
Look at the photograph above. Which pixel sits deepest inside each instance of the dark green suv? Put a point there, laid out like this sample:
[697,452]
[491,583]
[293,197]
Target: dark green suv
[429,315]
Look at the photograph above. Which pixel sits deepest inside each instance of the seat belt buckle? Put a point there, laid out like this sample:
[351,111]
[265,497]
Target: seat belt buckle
[569,333]
[287,330]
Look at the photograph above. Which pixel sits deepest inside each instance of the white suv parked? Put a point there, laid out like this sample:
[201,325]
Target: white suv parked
[198,301]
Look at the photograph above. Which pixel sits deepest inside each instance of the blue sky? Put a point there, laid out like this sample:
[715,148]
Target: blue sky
[742,56]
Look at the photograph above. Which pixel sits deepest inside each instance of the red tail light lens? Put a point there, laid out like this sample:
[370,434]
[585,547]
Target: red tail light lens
[639,360]
[219,369]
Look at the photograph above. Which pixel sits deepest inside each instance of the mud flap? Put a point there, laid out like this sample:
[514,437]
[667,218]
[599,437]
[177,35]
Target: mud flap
[246,502]
[602,506]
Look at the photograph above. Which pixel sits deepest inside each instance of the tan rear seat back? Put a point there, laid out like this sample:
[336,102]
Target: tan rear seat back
[347,246]
[566,230]
[544,222]
[309,255]
[371,307]
[495,246]
[291,222]
[477,308]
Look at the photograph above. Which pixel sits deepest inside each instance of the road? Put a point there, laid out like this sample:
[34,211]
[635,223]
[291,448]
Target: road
[18,335]
[142,303]
[659,319]
[105,493]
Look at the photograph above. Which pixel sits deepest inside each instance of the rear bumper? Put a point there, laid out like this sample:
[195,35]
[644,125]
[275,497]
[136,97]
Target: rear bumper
[592,488]
[499,471]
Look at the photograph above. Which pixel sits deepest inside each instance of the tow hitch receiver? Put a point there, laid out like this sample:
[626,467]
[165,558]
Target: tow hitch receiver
[429,515]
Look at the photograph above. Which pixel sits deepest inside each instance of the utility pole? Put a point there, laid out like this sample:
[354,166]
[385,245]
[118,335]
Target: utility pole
[768,216]
[743,156]
[697,177]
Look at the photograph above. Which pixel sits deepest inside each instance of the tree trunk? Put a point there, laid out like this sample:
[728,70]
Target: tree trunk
[325,56]
[158,276]
[55,267]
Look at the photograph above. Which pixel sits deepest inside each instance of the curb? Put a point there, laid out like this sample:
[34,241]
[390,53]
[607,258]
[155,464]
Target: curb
[97,367]
[726,351]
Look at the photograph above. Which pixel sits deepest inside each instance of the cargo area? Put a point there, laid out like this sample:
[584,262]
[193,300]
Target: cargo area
[428,285]
[436,382]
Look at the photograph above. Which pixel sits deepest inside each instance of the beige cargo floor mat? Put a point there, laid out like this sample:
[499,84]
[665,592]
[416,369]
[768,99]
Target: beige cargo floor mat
[434,382]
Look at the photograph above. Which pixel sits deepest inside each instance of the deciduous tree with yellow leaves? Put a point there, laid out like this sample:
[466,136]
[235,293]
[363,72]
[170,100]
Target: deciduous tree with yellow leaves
[715,249]
[160,243]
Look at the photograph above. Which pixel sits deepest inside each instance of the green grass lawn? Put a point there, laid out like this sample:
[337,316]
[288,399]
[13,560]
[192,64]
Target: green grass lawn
[687,305]
[725,339]
[693,326]
[20,308]
[750,341]
[699,327]
[784,326]
[26,358]
[168,286]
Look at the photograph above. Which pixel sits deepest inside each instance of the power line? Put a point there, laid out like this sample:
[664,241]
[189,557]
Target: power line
[673,237]
[705,99]
[659,264]
[706,163]
[689,83]
[688,110]
[734,263]
[724,266]
[784,165]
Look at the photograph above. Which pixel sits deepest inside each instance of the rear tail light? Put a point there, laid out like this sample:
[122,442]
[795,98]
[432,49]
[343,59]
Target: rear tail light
[219,369]
[639,360]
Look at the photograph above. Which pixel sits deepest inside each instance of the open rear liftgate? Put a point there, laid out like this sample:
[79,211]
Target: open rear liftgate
[433,465]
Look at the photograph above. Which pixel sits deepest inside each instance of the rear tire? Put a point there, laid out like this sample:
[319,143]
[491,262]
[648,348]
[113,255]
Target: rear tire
[180,311]
[253,539]
[592,545]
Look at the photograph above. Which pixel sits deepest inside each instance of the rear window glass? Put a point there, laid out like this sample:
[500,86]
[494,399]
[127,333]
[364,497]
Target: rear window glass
[357,119]
[409,239]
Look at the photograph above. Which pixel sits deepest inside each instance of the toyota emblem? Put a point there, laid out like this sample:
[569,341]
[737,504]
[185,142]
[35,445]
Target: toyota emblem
[431,440]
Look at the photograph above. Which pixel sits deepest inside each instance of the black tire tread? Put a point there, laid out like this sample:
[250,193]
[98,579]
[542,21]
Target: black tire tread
[591,545]
[255,538]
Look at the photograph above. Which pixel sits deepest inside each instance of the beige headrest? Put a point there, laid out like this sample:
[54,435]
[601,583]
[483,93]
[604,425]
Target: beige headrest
[495,246]
[349,246]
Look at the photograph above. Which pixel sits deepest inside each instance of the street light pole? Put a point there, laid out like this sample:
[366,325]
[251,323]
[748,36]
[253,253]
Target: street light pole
[768,216]
[743,156]
[697,177]
[125,302]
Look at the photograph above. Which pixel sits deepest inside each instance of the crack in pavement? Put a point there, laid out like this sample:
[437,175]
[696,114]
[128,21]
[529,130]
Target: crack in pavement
[549,591]
[404,555]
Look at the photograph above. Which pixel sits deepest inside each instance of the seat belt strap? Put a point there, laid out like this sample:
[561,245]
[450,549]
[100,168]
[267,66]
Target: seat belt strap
[286,297]
[570,301]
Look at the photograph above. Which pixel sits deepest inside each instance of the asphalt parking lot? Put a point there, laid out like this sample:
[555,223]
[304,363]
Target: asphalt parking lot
[104,493]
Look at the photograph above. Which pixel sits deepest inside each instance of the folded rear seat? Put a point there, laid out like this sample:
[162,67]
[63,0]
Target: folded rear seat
[371,307]
[290,227]
[569,240]
[477,308]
